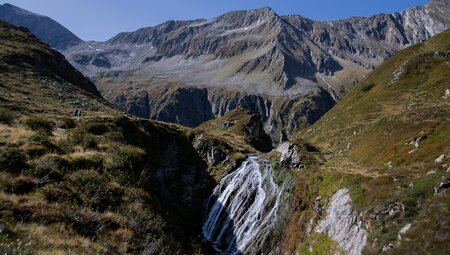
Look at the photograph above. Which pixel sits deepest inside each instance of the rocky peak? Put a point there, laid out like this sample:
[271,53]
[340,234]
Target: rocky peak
[236,19]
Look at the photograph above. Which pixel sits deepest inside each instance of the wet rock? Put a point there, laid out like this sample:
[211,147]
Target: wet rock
[343,225]
[215,156]
[289,155]
[210,149]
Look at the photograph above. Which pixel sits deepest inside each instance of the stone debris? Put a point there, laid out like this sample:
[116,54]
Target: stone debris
[441,159]
[403,231]
[397,74]
[431,172]
[443,186]
[226,124]
[387,247]
[342,224]
[418,138]
[446,94]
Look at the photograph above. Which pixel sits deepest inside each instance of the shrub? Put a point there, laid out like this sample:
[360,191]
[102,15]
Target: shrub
[125,157]
[96,128]
[20,185]
[39,124]
[67,123]
[115,136]
[367,87]
[49,168]
[12,159]
[86,140]
[59,193]
[85,161]
[94,189]
[90,144]
[6,117]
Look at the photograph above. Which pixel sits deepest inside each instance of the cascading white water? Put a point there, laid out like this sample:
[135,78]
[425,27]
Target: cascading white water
[245,208]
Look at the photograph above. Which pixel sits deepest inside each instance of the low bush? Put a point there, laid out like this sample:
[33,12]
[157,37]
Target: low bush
[96,128]
[12,159]
[66,123]
[49,168]
[95,190]
[39,124]
[6,117]
[20,185]
[85,161]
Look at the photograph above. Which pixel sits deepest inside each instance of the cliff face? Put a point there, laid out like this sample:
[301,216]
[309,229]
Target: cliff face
[190,106]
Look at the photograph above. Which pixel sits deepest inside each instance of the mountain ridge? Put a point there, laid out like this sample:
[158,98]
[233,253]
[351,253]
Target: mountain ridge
[43,27]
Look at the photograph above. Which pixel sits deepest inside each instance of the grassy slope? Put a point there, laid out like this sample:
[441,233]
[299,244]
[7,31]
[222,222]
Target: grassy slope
[104,184]
[372,126]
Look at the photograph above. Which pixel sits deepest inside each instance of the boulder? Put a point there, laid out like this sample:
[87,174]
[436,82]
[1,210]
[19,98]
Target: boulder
[289,155]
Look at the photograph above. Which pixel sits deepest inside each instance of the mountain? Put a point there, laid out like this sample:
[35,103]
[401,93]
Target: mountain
[388,148]
[44,28]
[371,176]
[290,69]
[102,182]
[28,66]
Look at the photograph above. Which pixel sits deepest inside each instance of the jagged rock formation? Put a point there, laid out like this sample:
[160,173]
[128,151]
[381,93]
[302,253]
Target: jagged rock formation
[44,28]
[342,224]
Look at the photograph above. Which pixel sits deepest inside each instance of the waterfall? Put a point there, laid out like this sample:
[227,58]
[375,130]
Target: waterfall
[245,208]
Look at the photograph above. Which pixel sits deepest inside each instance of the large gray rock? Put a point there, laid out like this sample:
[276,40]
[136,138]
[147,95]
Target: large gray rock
[342,224]
[290,156]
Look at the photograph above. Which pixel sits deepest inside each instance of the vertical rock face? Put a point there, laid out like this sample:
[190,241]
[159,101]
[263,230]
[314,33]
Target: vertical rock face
[244,210]
[191,106]
[342,225]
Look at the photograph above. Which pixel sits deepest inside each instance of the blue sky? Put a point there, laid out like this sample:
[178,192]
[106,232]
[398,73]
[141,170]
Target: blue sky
[102,19]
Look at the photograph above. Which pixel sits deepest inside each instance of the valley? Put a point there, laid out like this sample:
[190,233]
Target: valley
[248,133]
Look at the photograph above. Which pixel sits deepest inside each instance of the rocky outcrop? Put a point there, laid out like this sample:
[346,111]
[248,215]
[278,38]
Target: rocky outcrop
[258,137]
[342,224]
[290,156]
[44,28]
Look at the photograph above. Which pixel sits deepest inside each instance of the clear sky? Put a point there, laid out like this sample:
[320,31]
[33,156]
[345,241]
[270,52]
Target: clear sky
[102,19]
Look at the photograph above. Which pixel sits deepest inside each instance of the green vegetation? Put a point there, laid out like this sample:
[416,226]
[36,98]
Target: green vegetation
[319,244]
[99,183]
[368,136]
